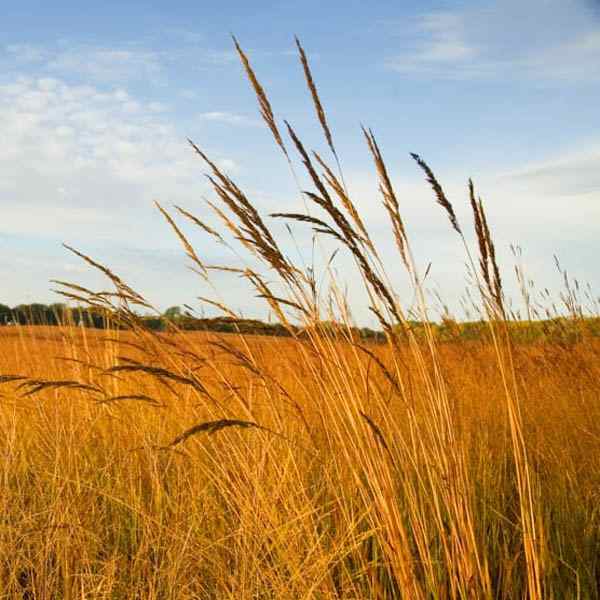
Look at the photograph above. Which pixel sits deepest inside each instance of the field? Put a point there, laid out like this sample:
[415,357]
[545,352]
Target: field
[326,503]
[139,463]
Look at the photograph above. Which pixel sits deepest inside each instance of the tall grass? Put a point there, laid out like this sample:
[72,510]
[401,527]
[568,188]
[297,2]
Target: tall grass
[156,465]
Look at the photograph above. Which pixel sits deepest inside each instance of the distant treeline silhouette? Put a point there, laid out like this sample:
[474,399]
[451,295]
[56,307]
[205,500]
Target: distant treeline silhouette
[50,314]
[61,314]
[559,329]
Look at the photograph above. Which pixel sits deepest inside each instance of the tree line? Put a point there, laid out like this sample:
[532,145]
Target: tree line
[50,314]
[559,329]
[61,314]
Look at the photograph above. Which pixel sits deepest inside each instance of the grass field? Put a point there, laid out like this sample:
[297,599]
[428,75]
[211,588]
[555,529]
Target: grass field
[144,464]
[334,505]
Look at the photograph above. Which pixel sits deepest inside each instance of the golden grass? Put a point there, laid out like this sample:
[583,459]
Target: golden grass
[138,464]
[94,506]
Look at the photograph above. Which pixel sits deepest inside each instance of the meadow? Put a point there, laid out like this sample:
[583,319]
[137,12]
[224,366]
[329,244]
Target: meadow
[168,464]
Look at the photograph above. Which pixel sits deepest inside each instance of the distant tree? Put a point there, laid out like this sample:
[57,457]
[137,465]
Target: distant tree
[59,313]
[173,313]
[153,323]
[33,314]
[5,314]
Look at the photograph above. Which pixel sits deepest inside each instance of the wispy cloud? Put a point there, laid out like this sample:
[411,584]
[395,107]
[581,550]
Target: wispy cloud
[122,63]
[437,43]
[514,40]
[93,63]
[25,53]
[444,40]
[577,59]
[570,175]
[106,64]
[80,160]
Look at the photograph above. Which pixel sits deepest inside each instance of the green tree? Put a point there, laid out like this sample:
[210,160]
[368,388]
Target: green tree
[5,314]
[173,313]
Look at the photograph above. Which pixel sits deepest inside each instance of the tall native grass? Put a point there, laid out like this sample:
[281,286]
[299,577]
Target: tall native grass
[143,464]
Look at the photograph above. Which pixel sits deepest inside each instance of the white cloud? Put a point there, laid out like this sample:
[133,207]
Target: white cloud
[105,64]
[541,40]
[577,59]
[79,161]
[571,174]
[438,41]
[446,41]
[83,164]
[93,63]
[125,63]
[26,53]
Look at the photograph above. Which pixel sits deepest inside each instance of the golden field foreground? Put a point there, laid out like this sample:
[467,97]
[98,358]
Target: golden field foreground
[355,488]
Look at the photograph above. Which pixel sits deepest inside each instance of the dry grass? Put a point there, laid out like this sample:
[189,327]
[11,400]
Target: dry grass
[176,465]
[93,507]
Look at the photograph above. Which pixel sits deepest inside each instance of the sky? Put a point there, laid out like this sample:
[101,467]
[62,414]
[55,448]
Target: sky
[97,101]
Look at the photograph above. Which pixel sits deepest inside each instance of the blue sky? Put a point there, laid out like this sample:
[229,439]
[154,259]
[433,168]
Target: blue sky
[97,99]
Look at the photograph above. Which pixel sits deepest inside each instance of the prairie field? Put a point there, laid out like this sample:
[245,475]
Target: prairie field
[352,488]
[425,462]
